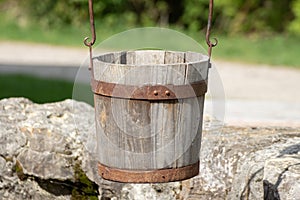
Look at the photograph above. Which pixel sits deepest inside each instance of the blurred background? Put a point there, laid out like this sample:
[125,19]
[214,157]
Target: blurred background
[249,30]
[258,52]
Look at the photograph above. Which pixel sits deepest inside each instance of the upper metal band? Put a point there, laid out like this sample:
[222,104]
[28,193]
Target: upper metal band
[149,92]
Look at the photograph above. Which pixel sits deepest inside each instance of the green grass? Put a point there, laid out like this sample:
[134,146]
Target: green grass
[30,33]
[67,36]
[273,50]
[39,90]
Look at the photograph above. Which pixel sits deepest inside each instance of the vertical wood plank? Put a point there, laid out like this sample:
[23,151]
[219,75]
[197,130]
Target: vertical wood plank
[168,119]
[196,71]
[142,142]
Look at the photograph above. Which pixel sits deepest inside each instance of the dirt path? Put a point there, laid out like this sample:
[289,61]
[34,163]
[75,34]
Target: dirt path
[255,94]
[260,82]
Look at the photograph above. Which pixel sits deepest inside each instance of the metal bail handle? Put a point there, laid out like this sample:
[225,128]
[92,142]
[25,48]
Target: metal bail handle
[92,42]
[92,24]
[208,41]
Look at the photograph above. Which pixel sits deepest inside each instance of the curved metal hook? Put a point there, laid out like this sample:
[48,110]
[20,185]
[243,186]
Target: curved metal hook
[86,39]
[92,24]
[208,41]
[87,42]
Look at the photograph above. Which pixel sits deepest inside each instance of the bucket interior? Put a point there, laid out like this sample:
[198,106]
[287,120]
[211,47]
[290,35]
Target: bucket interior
[151,57]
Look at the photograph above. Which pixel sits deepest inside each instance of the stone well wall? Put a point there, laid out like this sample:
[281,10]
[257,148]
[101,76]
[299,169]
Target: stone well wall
[44,154]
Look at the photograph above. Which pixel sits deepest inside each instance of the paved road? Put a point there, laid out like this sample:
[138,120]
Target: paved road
[254,94]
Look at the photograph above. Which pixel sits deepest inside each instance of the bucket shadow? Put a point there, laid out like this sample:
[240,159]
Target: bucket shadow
[271,190]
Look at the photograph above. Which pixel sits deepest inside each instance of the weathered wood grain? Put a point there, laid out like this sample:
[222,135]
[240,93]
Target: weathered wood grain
[144,135]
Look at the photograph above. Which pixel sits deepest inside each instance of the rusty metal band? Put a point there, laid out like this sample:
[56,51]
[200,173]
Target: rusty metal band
[156,92]
[151,176]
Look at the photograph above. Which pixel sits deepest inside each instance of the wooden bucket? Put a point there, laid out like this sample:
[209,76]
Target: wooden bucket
[149,109]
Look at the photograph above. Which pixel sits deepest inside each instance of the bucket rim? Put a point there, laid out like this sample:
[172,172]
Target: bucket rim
[204,59]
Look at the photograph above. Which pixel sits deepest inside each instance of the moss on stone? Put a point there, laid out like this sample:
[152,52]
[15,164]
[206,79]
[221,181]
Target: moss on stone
[86,190]
[19,171]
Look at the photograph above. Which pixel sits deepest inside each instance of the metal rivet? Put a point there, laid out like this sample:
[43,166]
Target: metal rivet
[167,93]
[155,92]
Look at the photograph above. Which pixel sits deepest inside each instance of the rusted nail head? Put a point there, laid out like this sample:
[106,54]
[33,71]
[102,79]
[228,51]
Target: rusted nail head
[155,92]
[167,93]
